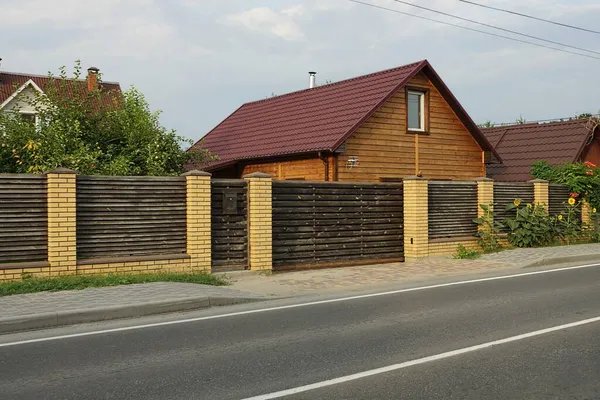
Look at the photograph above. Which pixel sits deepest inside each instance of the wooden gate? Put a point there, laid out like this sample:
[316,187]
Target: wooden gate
[229,222]
[330,223]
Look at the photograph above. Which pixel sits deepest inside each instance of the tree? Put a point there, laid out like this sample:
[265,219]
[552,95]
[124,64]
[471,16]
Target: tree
[521,120]
[487,124]
[77,129]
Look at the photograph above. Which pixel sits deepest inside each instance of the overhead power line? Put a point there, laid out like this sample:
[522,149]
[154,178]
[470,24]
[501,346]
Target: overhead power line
[473,29]
[530,16]
[495,27]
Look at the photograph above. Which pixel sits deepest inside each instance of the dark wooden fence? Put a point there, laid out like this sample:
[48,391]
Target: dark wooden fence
[452,208]
[558,195]
[23,218]
[506,192]
[229,216]
[130,216]
[327,223]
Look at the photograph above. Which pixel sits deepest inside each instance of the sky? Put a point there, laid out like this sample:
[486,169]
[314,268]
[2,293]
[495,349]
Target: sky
[199,60]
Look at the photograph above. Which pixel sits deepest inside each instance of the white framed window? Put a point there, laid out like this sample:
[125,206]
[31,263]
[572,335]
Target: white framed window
[30,117]
[416,111]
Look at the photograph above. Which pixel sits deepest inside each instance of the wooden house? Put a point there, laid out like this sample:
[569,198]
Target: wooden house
[379,127]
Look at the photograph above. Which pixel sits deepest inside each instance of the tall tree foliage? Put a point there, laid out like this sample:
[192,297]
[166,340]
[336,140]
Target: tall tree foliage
[76,129]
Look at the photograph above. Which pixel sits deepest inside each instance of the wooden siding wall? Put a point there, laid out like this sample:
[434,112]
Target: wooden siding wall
[23,218]
[311,169]
[385,149]
[130,216]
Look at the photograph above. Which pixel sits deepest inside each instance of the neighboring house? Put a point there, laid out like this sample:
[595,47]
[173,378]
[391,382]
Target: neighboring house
[16,88]
[521,145]
[374,128]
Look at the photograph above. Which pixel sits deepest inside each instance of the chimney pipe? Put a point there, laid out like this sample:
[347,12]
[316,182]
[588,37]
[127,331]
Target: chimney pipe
[312,76]
[92,79]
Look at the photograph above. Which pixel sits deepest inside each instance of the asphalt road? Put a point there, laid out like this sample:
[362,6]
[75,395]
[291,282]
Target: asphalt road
[247,355]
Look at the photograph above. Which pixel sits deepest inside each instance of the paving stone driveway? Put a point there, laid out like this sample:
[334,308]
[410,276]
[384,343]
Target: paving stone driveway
[363,277]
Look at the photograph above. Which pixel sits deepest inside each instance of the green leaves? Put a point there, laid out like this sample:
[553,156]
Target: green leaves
[581,178]
[79,131]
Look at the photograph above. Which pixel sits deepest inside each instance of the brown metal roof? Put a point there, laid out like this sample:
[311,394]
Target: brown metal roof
[520,146]
[318,119]
[12,81]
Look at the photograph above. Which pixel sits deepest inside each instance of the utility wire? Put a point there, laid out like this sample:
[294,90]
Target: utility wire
[496,27]
[530,16]
[473,30]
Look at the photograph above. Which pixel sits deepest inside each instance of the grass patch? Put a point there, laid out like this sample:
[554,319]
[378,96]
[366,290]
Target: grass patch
[79,282]
[462,253]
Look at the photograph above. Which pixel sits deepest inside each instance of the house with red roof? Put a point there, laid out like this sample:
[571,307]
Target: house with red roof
[16,88]
[558,142]
[379,127]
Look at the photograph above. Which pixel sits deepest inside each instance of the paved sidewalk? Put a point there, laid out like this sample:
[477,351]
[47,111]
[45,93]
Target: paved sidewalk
[48,309]
[369,277]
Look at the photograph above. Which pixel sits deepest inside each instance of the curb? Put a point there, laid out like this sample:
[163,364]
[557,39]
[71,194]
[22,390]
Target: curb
[71,317]
[546,262]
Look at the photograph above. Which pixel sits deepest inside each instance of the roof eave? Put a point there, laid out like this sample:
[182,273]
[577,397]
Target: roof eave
[400,85]
[483,142]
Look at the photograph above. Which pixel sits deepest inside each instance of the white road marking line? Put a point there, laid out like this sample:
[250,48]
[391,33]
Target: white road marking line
[441,356]
[313,303]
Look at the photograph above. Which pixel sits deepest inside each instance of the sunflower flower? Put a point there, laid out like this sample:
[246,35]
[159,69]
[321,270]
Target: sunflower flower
[517,202]
[571,201]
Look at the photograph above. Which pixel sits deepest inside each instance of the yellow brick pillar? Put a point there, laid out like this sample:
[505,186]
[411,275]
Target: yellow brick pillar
[416,226]
[485,194]
[62,224]
[198,219]
[586,212]
[540,192]
[260,221]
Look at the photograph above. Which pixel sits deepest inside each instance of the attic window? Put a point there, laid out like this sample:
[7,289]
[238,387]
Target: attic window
[29,117]
[416,110]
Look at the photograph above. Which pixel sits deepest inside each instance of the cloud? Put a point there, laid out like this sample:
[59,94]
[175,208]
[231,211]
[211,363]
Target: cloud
[263,19]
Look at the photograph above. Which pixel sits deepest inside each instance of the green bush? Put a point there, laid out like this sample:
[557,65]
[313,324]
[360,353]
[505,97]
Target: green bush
[582,179]
[531,225]
[462,253]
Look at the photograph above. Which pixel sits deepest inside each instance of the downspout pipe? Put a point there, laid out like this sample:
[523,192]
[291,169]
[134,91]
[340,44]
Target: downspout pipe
[325,163]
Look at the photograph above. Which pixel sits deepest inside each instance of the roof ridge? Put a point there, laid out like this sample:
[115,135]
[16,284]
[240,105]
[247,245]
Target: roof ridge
[26,75]
[414,64]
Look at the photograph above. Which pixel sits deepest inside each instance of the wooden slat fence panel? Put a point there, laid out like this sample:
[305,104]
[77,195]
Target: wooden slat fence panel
[452,208]
[558,195]
[506,192]
[23,218]
[320,223]
[229,226]
[130,216]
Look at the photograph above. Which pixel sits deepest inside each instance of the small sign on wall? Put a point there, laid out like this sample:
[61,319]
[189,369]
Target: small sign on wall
[229,203]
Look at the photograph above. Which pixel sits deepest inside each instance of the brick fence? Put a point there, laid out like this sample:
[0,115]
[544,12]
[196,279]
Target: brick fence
[99,225]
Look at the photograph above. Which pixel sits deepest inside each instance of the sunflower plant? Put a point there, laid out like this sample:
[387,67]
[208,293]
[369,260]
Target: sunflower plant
[568,223]
[531,225]
[489,229]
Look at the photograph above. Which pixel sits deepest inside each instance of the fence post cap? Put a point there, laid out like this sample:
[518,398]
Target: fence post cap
[415,178]
[61,170]
[483,179]
[196,172]
[257,175]
[538,181]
